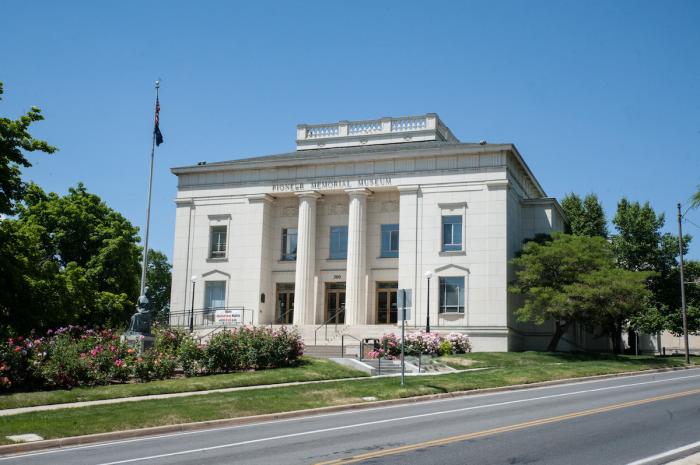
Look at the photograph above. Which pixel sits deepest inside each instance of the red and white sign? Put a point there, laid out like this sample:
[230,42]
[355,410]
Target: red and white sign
[228,317]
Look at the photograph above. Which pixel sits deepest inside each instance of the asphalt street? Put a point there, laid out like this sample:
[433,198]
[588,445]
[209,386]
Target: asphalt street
[613,421]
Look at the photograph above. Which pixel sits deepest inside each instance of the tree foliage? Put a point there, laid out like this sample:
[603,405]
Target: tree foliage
[607,298]
[15,140]
[639,245]
[158,279]
[586,217]
[75,260]
[545,272]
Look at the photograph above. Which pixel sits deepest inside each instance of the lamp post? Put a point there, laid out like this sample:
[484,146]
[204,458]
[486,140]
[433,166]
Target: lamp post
[428,275]
[194,282]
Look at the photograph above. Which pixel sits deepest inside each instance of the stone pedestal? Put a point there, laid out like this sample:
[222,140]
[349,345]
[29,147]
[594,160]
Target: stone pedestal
[140,342]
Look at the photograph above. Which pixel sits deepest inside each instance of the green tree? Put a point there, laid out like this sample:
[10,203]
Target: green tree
[545,273]
[14,141]
[79,261]
[695,200]
[609,297]
[586,217]
[158,281]
[639,245]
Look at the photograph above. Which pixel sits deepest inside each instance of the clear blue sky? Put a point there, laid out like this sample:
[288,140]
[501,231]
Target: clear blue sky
[598,96]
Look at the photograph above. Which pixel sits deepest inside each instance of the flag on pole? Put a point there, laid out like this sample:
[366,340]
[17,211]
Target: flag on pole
[156,130]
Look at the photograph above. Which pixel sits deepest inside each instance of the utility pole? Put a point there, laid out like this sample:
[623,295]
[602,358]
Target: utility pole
[683,310]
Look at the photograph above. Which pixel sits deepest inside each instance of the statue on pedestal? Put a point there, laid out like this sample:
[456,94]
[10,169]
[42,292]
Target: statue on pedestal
[141,320]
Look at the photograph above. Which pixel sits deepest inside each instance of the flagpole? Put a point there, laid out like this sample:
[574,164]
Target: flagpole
[144,261]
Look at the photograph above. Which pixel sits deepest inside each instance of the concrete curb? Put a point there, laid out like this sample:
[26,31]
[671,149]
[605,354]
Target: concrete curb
[203,425]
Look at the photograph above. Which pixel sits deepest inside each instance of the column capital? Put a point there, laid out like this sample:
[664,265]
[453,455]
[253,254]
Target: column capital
[358,191]
[308,194]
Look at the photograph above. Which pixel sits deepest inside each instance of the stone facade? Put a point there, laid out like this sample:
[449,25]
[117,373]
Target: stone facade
[411,172]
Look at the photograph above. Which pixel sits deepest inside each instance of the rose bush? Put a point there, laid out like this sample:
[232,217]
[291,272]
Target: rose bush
[418,343]
[77,356]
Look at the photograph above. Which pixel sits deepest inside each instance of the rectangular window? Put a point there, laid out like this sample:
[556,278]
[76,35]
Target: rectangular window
[451,233]
[390,240]
[217,248]
[452,294]
[215,292]
[289,244]
[339,242]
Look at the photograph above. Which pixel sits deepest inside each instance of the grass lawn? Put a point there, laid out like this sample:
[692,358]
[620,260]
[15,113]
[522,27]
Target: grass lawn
[310,369]
[506,369]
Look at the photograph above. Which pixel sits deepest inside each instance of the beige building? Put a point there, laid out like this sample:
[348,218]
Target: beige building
[325,236]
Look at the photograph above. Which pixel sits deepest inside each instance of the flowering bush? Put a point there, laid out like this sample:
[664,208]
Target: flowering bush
[249,348]
[421,343]
[77,356]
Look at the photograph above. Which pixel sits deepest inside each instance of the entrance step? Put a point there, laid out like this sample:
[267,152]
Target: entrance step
[385,367]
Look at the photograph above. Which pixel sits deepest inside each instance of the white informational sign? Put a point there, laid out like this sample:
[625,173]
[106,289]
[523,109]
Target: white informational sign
[404,300]
[228,317]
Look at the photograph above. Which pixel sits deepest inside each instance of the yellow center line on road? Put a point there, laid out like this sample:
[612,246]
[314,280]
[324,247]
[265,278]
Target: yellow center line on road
[504,429]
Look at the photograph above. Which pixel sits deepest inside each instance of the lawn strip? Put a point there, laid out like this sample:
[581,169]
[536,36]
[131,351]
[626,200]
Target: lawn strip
[310,370]
[115,417]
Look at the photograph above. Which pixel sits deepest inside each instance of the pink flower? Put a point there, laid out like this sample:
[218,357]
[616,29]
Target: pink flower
[119,362]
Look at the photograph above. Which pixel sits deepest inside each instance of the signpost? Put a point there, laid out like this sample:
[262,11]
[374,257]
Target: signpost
[405,298]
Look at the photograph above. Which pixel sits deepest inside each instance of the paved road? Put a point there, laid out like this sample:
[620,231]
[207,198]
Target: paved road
[615,421]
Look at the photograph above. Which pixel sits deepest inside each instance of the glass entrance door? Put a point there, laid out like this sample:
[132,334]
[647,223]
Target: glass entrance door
[335,303]
[386,303]
[285,304]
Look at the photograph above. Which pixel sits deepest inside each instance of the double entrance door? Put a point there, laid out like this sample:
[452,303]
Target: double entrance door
[335,303]
[387,311]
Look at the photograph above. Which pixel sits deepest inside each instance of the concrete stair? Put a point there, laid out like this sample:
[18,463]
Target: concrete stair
[384,366]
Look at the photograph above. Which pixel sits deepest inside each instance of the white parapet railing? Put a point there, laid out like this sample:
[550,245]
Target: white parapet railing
[371,132]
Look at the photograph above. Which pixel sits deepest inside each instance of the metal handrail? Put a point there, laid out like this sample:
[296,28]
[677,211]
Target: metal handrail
[325,324]
[282,317]
[342,345]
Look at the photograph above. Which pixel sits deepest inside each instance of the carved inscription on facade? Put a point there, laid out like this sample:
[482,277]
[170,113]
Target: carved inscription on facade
[332,184]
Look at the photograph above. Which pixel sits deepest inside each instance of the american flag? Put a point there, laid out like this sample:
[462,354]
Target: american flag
[156,130]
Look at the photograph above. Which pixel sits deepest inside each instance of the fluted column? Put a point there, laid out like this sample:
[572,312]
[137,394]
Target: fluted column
[355,286]
[304,311]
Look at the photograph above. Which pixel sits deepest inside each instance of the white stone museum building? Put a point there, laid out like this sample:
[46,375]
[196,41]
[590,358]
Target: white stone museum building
[323,237]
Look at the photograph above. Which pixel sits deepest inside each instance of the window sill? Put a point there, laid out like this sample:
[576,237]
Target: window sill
[286,261]
[336,259]
[450,253]
[217,259]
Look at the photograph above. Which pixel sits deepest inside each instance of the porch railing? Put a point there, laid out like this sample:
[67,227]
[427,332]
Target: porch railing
[198,318]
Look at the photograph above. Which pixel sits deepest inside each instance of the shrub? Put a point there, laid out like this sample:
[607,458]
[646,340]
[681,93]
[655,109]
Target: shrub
[250,348]
[418,343]
[190,355]
[445,348]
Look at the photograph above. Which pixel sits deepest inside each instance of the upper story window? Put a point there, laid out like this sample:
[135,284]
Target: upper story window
[452,294]
[215,294]
[217,247]
[390,240]
[289,244]
[339,242]
[451,233]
